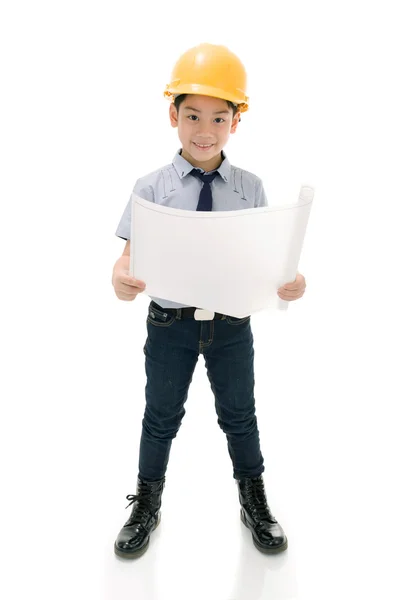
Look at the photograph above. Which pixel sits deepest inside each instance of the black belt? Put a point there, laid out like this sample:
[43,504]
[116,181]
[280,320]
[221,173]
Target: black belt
[183,313]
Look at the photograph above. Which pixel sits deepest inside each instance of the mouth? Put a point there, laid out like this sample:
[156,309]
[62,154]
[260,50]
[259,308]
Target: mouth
[203,147]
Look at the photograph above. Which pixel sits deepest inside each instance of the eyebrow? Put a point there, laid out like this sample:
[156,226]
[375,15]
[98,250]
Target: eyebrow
[218,112]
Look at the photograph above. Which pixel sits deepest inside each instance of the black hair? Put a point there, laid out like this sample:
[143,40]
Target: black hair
[179,99]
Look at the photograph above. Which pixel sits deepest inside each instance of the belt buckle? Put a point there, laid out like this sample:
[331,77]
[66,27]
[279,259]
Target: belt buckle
[200,314]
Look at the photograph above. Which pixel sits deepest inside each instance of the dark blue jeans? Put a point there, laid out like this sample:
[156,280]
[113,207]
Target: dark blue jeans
[172,349]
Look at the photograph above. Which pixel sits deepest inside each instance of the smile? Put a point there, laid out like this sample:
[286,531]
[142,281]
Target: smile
[203,146]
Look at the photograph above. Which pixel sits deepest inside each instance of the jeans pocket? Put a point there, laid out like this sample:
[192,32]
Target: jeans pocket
[237,321]
[159,318]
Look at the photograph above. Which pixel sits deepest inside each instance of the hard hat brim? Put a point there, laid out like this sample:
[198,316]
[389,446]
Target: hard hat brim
[240,99]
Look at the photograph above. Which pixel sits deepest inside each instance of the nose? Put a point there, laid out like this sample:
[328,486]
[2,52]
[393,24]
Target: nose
[203,130]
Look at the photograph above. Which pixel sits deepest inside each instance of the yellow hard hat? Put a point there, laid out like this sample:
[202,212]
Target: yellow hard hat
[210,70]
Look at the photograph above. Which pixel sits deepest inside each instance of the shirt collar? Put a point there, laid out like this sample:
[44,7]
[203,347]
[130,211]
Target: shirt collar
[183,167]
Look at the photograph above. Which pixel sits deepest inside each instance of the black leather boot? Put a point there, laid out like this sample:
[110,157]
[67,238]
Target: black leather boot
[133,539]
[268,535]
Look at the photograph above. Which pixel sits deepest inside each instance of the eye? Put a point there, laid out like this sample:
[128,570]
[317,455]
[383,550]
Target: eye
[192,119]
[220,120]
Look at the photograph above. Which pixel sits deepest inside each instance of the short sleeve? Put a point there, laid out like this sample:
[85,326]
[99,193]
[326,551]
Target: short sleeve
[261,197]
[124,227]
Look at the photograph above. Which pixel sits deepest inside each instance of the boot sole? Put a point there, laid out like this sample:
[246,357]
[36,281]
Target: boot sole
[139,552]
[261,548]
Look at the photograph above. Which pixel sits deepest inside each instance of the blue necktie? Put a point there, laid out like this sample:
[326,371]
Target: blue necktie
[205,198]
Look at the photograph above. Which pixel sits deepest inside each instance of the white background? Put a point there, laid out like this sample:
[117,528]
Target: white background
[82,117]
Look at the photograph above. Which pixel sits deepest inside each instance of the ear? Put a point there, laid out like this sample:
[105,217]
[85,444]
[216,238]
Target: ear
[173,115]
[235,122]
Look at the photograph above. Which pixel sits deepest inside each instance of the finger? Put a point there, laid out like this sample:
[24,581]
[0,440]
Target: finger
[290,298]
[128,289]
[123,296]
[300,286]
[291,290]
[290,295]
[128,280]
[298,283]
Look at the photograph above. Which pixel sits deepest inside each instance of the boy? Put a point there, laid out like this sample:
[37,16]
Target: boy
[208,96]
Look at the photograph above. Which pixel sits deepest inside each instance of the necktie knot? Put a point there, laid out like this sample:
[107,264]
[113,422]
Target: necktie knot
[205,177]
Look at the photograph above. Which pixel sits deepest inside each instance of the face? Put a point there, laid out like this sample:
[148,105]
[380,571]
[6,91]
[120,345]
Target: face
[204,125]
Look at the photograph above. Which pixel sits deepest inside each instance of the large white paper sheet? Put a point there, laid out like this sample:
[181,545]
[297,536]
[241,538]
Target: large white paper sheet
[232,262]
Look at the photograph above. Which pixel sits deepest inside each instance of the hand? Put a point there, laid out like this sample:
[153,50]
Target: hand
[125,286]
[294,290]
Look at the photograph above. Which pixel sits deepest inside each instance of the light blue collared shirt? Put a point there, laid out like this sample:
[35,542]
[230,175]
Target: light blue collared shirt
[233,189]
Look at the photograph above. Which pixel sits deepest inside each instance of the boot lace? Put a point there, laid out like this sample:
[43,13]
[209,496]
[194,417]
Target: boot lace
[144,508]
[256,500]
